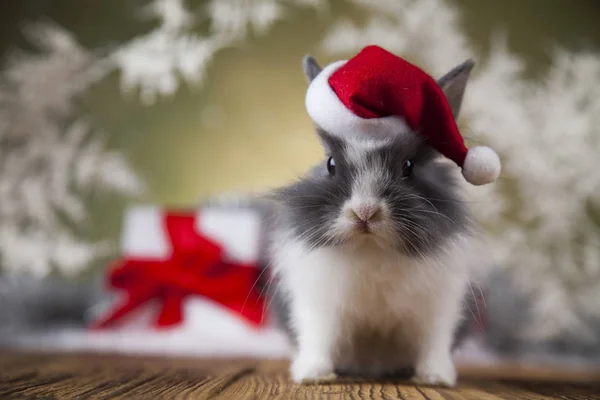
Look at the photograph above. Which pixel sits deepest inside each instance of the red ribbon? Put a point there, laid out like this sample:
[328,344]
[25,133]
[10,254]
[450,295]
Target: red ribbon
[195,267]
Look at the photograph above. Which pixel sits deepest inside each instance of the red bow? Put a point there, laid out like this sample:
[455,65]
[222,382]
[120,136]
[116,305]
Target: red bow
[194,267]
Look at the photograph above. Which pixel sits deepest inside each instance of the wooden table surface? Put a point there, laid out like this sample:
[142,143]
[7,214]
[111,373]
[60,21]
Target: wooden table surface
[67,376]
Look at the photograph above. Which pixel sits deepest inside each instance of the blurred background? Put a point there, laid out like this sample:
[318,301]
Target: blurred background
[105,105]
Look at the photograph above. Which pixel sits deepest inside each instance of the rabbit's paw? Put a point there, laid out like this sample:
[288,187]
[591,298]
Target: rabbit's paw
[312,369]
[438,373]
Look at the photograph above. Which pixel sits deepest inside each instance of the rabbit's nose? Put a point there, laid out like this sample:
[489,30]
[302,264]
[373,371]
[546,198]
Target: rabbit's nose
[366,213]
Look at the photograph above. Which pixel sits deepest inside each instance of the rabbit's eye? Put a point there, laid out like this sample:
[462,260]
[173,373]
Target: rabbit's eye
[407,168]
[331,166]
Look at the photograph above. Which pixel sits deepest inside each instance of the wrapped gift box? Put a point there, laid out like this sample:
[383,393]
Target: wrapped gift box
[188,282]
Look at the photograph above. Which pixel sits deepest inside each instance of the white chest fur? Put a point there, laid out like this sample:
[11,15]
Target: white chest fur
[371,311]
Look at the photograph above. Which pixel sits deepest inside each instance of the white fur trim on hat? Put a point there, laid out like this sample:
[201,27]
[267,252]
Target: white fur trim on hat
[481,166]
[329,113]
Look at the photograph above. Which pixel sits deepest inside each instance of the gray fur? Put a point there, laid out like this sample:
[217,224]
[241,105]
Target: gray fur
[454,84]
[426,207]
[311,68]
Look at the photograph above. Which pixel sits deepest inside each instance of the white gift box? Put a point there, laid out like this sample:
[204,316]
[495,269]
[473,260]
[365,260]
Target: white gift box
[236,230]
[208,328]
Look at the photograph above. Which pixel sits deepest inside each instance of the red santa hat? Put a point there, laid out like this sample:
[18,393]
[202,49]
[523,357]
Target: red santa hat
[378,94]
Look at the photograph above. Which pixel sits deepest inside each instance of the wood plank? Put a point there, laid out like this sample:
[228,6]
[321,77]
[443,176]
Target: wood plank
[68,376]
[277,386]
[517,372]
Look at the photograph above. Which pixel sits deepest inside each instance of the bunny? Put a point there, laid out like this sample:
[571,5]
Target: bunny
[373,251]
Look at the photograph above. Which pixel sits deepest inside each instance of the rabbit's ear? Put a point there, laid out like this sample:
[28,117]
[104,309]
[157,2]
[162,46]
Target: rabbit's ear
[311,68]
[454,84]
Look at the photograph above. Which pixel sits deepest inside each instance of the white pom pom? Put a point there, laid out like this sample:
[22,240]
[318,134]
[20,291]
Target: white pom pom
[481,166]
